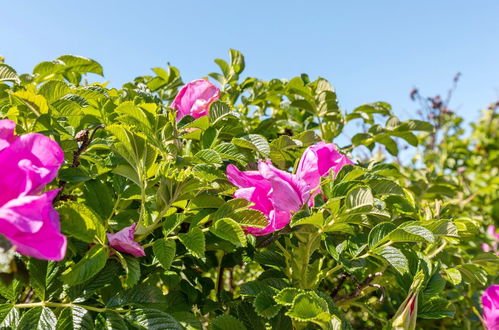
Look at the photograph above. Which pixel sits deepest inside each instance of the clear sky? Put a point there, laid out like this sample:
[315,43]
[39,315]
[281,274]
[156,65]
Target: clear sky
[369,50]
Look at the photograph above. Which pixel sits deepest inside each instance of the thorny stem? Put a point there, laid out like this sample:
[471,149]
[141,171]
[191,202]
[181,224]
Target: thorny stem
[360,287]
[85,142]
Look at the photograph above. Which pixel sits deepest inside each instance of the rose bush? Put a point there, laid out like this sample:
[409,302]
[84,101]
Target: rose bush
[231,204]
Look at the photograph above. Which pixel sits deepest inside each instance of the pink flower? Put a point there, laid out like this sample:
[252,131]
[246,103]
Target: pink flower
[274,192]
[27,218]
[195,99]
[318,161]
[124,241]
[490,302]
[491,231]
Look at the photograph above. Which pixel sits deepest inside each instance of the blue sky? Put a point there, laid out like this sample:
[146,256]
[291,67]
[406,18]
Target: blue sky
[369,50]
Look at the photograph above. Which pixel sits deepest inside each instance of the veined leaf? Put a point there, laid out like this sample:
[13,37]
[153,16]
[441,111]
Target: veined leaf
[194,241]
[88,266]
[229,230]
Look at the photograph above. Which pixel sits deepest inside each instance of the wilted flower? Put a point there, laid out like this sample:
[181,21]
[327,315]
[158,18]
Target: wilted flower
[274,192]
[27,217]
[195,98]
[318,161]
[491,231]
[124,241]
[490,302]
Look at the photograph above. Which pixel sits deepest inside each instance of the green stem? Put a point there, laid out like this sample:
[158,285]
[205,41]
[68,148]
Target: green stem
[62,305]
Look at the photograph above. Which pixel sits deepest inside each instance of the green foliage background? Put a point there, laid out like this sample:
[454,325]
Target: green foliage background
[349,262]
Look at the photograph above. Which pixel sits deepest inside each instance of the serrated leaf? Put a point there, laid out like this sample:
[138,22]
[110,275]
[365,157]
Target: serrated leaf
[9,316]
[7,73]
[218,110]
[395,257]
[254,142]
[309,307]
[93,261]
[110,321]
[42,277]
[75,318]
[286,296]
[226,322]
[229,230]
[164,250]
[38,318]
[265,305]
[250,218]
[359,199]
[194,241]
[148,318]
[139,295]
[208,156]
[81,222]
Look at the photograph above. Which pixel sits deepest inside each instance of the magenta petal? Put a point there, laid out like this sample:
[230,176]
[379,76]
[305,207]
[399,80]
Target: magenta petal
[32,226]
[32,161]
[7,128]
[124,241]
[490,302]
[195,98]
[288,192]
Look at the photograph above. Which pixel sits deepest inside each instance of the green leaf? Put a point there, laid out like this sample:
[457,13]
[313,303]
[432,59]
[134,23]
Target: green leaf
[9,316]
[395,257]
[411,233]
[218,110]
[359,199]
[250,218]
[81,222]
[286,296]
[132,270]
[453,275]
[139,295]
[164,249]
[229,230]
[379,232]
[38,318]
[73,318]
[230,151]
[316,219]
[226,322]
[93,261]
[246,313]
[308,306]
[265,305]
[194,241]
[8,74]
[473,273]
[236,61]
[208,156]
[43,277]
[110,321]
[254,142]
[208,173]
[148,318]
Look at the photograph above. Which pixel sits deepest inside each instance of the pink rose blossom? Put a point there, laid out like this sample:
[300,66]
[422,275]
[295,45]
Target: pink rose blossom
[494,235]
[274,192]
[27,217]
[490,302]
[195,99]
[318,161]
[124,241]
